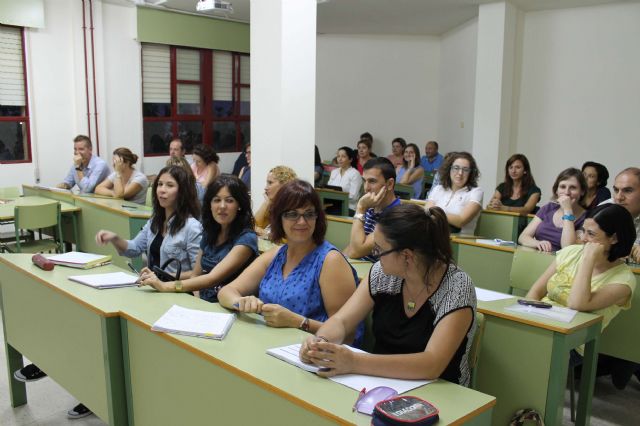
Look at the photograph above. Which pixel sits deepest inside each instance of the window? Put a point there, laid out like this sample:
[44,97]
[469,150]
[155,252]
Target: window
[14,111]
[198,95]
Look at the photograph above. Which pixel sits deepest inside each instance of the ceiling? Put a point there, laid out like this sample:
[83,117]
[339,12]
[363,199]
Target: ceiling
[410,17]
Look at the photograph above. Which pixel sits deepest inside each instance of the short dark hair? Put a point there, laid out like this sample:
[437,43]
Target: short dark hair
[293,195]
[187,203]
[426,231]
[244,218]
[445,169]
[416,151]
[85,139]
[601,170]
[207,153]
[401,141]
[571,172]
[615,219]
[433,142]
[384,165]
[527,177]
[353,158]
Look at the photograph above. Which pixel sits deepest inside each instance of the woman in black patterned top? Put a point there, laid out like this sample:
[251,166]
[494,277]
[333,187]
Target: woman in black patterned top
[423,306]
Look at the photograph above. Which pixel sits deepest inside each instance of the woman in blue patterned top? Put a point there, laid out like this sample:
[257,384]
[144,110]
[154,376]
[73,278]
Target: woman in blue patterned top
[302,283]
[423,306]
[228,243]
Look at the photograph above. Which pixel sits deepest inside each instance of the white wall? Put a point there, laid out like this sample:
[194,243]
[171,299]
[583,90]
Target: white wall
[387,85]
[457,87]
[580,89]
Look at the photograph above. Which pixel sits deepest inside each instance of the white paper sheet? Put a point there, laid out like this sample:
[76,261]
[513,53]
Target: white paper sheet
[490,295]
[192,322]
[496,242]
[290,355]
[109,280]
[557,313]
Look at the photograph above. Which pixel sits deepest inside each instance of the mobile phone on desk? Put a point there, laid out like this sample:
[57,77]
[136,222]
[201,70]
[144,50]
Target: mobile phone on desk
[535,303]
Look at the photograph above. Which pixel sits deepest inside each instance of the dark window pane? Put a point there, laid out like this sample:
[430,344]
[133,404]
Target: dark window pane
[188,99]
[245,133]
[11,111]
[156,110]
[224,136]
[191,133]
[245,101]
[222,108]
[156,136]
[13,141]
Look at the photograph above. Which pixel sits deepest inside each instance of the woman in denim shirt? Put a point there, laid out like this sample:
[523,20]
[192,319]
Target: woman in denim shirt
[173,232]
[229,242]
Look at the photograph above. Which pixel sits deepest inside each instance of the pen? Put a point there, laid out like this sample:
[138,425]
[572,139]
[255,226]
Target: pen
[130,265]
[360,395]
[124,206]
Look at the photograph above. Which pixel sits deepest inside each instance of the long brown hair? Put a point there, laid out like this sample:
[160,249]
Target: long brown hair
[527,177]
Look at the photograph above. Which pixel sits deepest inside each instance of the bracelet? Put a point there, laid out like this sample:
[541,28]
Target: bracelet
[569,217]
[304,325]
[178,286]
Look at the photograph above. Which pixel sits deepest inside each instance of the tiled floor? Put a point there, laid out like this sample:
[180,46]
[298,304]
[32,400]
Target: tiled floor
[48,404]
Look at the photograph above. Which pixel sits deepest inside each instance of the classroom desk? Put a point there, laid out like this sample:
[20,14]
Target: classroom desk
[168,371]
[499,224]
[69,210]
[524,361]
[48,192]
[110,214]
[330,196]
[487,265]
[70,331]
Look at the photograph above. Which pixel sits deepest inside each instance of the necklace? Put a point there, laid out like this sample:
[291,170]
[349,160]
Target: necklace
[411,303]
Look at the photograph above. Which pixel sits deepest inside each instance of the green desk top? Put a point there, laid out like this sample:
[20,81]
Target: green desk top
[7,208]
[118,206]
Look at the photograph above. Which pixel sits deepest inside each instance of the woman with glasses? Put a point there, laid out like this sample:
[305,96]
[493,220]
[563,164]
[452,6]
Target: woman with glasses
[228,244]
[303,282]
[458,193]
[556,223]
[422,306]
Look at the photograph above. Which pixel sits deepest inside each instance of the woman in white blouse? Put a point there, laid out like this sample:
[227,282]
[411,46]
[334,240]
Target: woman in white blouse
[458,193]
[347,177]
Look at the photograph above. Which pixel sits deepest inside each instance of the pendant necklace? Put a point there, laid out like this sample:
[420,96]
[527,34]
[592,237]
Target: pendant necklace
[411,303]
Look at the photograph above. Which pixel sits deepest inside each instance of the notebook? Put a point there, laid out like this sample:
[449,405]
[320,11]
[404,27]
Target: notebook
[290,355]
[192,322]
[76,259]
[109,280]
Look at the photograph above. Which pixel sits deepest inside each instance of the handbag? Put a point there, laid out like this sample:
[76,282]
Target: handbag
[404,410]
[164,275]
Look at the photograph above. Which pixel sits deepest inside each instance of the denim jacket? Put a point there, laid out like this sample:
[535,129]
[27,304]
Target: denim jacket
[184,245]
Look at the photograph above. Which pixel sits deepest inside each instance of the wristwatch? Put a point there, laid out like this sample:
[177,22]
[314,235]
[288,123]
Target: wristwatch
[305,325]
[568,217]
[359,216]
[178,286]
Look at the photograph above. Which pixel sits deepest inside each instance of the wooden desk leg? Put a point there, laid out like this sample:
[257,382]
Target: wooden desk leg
[588,378]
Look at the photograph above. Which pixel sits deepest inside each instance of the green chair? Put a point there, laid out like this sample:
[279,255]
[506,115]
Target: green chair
[405,192]
[37,217]
[527,265]
[474,353]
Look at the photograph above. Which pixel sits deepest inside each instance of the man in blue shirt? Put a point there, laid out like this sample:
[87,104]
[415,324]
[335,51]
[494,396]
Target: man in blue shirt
[379,182]
[88,170]
[432,160]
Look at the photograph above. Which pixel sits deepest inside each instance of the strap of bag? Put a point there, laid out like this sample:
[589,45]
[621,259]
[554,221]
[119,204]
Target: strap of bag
[526,415]
[178,267]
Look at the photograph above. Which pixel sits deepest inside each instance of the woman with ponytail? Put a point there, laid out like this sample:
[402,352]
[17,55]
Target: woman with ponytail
[423,306]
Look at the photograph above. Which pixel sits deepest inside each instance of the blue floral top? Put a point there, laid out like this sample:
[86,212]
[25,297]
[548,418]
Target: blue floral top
[300,291]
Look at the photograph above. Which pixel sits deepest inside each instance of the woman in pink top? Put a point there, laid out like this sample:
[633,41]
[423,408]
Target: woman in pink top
[205,164]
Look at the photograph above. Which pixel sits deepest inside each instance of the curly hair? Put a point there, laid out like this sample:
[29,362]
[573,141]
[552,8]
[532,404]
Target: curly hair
[187,204]
[244,217]
[207,153]
[445,169]
[283,174]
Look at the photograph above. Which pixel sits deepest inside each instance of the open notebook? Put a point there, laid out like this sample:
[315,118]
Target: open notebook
[192,322]
[290,355]
[109,280]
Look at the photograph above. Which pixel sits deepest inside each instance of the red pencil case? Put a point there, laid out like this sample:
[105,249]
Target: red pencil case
[404,410]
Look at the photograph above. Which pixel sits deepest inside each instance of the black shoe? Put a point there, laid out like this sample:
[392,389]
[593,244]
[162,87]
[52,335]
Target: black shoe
[79,411]
[30,373]
[621,373]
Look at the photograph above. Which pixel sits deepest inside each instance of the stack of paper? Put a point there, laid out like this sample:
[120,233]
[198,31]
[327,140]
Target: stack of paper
[110,280]
[76,259]
[191,322]
[557,313]
[290,354]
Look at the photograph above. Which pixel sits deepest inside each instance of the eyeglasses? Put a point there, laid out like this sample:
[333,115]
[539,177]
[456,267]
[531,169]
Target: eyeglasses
[458,169]
[377,251]
[294,216]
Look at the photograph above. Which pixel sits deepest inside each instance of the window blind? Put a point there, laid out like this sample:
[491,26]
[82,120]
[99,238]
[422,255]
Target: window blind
[156,72]
[222,77]
[11,70]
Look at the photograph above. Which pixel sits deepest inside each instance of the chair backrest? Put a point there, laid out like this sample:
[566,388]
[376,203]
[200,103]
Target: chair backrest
[149,200]
[474,353]
[404,191]
[527,265]
[37,216]
[9,193]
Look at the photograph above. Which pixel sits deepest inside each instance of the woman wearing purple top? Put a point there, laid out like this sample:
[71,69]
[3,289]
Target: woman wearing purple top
[555,224]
